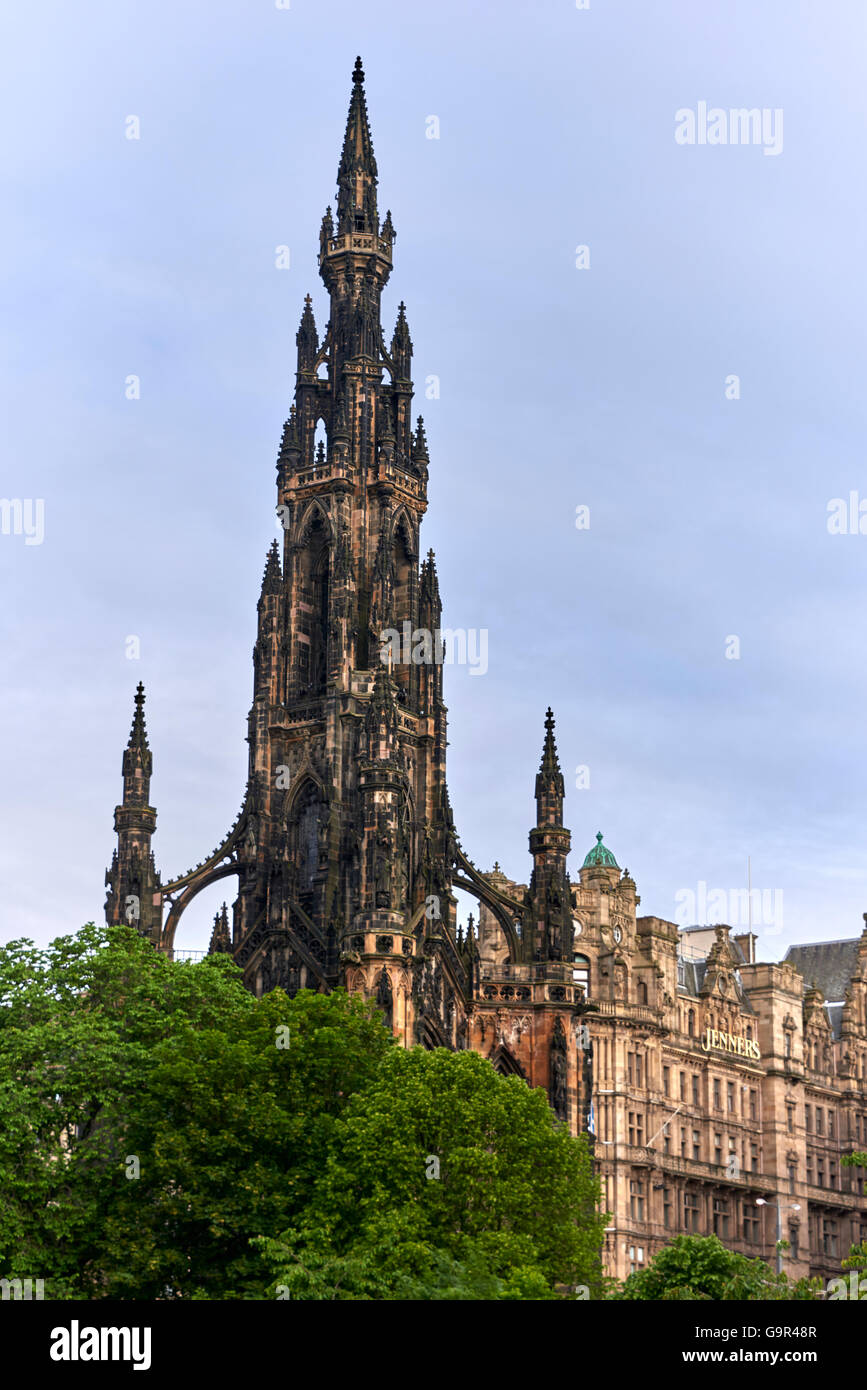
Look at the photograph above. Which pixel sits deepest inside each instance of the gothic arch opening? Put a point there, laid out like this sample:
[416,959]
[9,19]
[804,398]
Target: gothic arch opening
[306,834]
[505,1063]
[313,601]
[403,571]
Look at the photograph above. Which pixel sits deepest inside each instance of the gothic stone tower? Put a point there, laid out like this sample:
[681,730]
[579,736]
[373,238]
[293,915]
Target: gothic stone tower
[344,849]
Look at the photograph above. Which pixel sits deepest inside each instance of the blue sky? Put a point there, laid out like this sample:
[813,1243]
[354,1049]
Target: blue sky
[559,387]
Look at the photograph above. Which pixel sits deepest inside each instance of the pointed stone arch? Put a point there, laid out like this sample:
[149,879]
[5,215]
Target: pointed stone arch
[316,508]
[504,1061]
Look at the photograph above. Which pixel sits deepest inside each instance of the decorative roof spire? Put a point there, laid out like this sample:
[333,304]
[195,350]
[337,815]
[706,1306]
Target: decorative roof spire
[137,758]
[418,451]
[221,941]
[401,344]
[550,762]
[356,174]
[138,735]
[550,787]
[307,339]
[272,579]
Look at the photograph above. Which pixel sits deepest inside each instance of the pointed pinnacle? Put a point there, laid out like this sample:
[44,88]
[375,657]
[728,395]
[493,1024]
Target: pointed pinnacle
[272,579]
[138,737]
[550,765]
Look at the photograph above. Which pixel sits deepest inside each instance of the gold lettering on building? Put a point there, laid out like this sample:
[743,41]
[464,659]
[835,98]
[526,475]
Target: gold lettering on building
[730,1042]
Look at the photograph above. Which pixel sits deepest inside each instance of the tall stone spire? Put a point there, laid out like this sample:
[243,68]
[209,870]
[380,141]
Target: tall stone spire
[356,174]
[132,879]
[137,757]
[550,788]
[549,845]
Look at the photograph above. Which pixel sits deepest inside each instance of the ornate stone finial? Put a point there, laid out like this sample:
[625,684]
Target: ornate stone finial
[358,72]
[138,737]
[272,579]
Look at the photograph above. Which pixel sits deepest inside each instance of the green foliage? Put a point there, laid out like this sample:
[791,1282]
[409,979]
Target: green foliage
[109,1051]
[694,1268]
[158,1141]
[513,1212]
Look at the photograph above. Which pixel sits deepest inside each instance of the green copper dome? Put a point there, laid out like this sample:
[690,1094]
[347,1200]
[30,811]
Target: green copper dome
[600,855]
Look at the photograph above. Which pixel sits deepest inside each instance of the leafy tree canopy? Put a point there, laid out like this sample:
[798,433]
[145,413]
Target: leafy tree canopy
[700,1267]
[164,1134]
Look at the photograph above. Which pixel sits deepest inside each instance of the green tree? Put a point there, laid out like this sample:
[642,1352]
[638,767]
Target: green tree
[79,1026]
[151,1123]
[163,1134]
[446,1181]
[700,1267]
[857,1257]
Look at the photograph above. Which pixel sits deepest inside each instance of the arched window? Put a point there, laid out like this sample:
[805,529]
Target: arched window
[690,1023]
[642,992]
[403,571]
[306,831]
[312,636]
[581,972]
[749,1033]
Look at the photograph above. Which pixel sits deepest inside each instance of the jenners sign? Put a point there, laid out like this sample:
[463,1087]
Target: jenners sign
[714,1041]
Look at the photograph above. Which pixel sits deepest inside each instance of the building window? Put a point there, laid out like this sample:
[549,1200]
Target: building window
[832,1173]
[788,1045]
[666,1081]
[666,1208]
[792,1178]
[819,1125]
[717,1150]
[751,1222]
[690,1211]
[790,1118]
[717,1094]
[808,1118]
[793,1241]
[749,1034]
[730,1097]
[754,1105]
[696,1144]
[642,992]
[636,1200]
[683,1085]
[690,1023]
[754,1158]
[636,1257]
[830,1124]
[721,1217]
[695,1082]
[820,1170]
[829,1237]
[810,1169]
[581,973]
[636,1128]
[683,1143]
[666,1143]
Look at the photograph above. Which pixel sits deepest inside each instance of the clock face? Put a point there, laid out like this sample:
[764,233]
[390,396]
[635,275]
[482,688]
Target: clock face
[618,935]
[577,927]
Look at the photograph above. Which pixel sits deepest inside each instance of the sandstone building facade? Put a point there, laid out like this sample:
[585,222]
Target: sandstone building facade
[704,1079]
